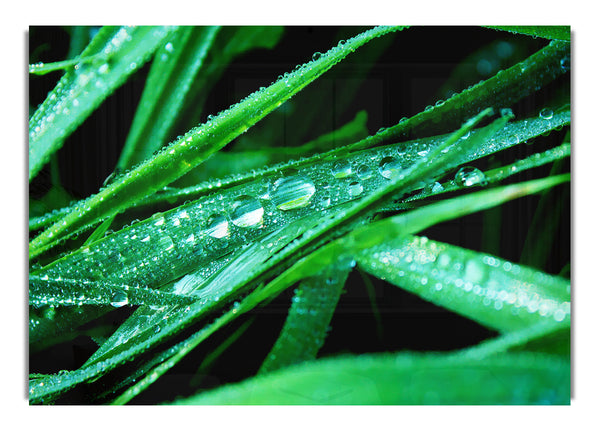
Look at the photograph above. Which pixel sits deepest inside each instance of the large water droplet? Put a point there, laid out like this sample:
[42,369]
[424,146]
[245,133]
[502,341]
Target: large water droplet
[292,192]
[546,113]
[341,169]
[119,299]
[469,176]
[363,172]
[247,212]
[217,226]
[355,188]
[389,167]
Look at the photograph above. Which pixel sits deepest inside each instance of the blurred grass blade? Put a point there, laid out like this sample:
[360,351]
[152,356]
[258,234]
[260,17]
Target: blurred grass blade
[558,32]
[404,379]
[307,322]
[494,292]
[119,51]
[193,148]
[175,66]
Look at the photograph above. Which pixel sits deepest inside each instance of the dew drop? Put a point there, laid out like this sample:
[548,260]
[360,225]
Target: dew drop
[217,226]
[434,188]
[565,63]
[389,167]
[119,299]
[247,212]
[325,200]
[292,192]
[363,172]
[316,56]
[341,169]
[546,113]
[355,188]
[469,176]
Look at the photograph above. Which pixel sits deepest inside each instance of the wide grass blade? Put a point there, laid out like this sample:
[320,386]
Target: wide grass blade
[117,52]
[494,292]
[406,378]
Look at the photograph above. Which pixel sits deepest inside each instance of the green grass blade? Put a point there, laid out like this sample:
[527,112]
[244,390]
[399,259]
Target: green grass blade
[230,43]
[120,52]
[194,147]
[44,291]
[402,379]
[175,66]
[307,322]
[557,32]
[492,291]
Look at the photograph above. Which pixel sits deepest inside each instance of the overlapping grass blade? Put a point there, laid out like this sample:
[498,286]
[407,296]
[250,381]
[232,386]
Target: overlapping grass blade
[176,64]
[117,52]
[194,147]
[404,379]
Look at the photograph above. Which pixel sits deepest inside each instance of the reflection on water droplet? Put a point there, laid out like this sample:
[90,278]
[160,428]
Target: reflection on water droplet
[363,172]
[469,176]
[325,200]
[247,212]
[292,192]
[433,188]
[546,113]
[217,226]
[341,169]
[355,188]
[389,167]
[119,299]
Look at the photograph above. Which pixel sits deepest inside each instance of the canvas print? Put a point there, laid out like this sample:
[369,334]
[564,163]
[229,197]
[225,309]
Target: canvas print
[306,215]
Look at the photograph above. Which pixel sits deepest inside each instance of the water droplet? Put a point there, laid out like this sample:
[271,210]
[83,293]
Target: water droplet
[469,176]
[103,69]
[355,188]
[247,212]
[546,113]
[169,47]
[506,112]
[364,172]
[292,192]
[389,167]
[316,56]
[565,63]
[325,200]
[341,169]
[217,226]
[119,299]
[433,188]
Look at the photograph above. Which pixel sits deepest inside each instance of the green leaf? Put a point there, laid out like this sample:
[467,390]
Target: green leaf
[492,291]
[118,52]
[401,379]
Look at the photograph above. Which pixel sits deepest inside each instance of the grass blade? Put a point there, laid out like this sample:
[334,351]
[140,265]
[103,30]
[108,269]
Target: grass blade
[120,52]
[403,379]
[492,291]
